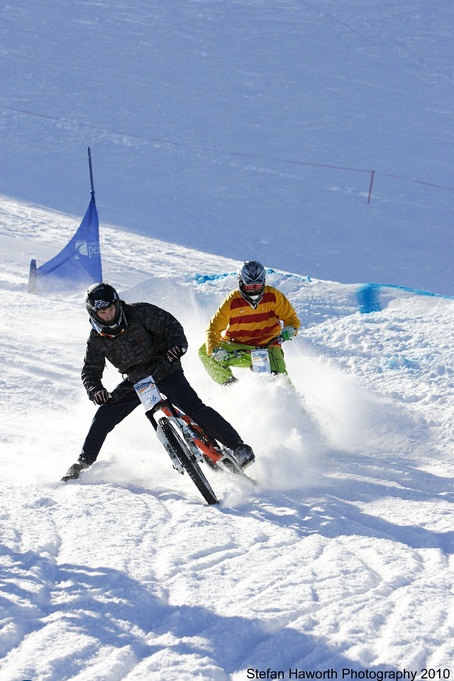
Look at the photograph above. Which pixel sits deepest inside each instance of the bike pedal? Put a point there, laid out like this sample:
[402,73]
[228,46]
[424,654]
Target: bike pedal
[230,466]
[212,464]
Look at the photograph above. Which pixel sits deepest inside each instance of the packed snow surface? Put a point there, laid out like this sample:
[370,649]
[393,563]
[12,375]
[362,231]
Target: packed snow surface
[339,561]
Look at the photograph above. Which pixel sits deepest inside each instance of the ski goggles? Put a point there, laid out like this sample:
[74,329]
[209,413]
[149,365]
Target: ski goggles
[252,288]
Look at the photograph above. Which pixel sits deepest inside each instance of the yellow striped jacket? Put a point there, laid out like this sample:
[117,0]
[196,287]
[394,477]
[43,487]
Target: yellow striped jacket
[235,320]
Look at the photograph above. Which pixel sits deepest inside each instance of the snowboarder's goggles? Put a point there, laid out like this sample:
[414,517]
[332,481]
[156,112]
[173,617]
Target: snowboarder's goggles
[250,288]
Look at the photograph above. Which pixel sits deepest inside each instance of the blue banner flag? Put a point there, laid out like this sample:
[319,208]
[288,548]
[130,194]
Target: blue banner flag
[78,265]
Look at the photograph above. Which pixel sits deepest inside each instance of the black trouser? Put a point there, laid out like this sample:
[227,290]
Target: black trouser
[176,387]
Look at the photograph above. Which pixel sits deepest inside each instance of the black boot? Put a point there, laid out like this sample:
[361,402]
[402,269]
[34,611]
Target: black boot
[244,455]
[73,472]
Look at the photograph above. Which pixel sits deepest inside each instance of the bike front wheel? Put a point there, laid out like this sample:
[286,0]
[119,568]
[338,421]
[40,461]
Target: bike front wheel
[191,467]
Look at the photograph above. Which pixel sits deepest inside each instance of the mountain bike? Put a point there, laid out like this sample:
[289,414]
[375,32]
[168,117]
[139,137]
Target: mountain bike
[187,445]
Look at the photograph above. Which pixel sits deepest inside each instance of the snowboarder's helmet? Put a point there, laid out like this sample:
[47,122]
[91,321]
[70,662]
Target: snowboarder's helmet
[98,297]
[251,282]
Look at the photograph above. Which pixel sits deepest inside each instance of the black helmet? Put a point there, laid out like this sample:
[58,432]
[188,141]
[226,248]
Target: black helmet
[251,282]
[99,296]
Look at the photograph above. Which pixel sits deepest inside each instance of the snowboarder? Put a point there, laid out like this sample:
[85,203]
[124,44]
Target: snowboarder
[251,316]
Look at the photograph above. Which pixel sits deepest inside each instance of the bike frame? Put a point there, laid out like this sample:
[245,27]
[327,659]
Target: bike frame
[205,444]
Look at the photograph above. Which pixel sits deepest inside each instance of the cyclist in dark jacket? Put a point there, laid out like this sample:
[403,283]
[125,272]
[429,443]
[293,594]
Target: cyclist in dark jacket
[139,339]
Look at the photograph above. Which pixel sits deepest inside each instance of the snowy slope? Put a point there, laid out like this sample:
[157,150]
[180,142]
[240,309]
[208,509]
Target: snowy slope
[246,128]
[339,561]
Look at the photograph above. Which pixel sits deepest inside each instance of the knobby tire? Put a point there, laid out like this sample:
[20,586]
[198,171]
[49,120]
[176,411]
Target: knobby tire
[191,467]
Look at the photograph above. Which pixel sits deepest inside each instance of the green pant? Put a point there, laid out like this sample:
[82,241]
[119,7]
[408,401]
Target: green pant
[221,371]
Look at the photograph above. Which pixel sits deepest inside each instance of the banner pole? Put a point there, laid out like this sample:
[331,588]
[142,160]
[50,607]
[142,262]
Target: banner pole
[370,185]
[32,277]
[91,173]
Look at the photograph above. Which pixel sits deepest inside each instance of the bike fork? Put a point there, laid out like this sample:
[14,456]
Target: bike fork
[176,463]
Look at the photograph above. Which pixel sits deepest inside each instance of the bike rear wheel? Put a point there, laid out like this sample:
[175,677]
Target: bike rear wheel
[191,467]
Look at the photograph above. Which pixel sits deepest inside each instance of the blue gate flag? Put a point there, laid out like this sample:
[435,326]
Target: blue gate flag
[78,265]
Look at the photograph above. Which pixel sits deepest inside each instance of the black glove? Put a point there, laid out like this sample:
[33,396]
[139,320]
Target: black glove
[101,397]
[175,352]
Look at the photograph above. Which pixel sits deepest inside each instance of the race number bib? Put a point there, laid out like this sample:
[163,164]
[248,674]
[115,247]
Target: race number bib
[260,361]
[148,392]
